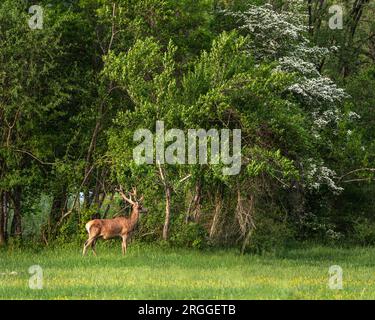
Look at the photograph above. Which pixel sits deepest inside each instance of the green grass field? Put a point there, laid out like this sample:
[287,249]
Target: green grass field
[164,273]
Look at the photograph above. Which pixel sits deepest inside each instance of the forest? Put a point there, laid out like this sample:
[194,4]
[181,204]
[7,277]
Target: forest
[78,78]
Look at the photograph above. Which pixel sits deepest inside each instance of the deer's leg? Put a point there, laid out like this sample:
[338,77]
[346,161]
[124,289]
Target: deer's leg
[124,244]
[87,244]
[93,244]
[85,247]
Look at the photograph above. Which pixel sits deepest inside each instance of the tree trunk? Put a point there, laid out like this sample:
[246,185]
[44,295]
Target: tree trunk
[353,22]
[195,204]
[91,150]
[99,193]
[59,206]
[2,219]
[108,206]
[16,229]
[167,212]
[309,10]
[246,240]
[216,218]
[6,214]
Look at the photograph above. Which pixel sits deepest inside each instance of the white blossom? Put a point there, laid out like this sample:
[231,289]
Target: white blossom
[319,91]
[271,32]
[318,175]
[280,36]
[295,64]
[353,115]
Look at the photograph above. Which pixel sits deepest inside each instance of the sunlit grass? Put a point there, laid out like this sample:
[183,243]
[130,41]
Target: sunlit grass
[151,272]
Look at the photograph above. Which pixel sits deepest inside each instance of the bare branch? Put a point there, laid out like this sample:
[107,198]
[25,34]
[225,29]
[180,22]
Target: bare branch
[162,175]
[355,171]
[113,30]
[359,180]
[75,198]
[34,157]
[183,179]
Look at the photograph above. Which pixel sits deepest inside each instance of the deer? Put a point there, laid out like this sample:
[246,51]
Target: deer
[115,227]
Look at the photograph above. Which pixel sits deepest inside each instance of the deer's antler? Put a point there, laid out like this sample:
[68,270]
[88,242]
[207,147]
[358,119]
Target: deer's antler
[121,192]
[134,192]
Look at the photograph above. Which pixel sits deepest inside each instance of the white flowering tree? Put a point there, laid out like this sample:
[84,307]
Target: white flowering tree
[280,37]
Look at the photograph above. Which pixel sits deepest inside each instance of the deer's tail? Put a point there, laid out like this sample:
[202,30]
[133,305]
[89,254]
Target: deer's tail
[88,226]
[93,228]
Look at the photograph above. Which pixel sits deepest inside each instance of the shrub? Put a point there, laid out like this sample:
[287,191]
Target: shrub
[73,229]
[270,235]
[364,232]
[189,234]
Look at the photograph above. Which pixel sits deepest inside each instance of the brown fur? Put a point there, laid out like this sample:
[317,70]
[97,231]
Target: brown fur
[111,228]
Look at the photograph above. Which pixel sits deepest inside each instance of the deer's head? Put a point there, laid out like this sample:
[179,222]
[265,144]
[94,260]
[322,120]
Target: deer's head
[133,200]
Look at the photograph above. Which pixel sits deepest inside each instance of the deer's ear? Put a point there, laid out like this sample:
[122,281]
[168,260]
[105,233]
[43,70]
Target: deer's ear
[141,199]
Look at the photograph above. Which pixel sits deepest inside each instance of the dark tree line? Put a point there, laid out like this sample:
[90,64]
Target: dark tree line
[73,93]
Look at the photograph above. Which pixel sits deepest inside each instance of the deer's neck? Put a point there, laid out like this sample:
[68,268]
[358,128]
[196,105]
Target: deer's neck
[134,216]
